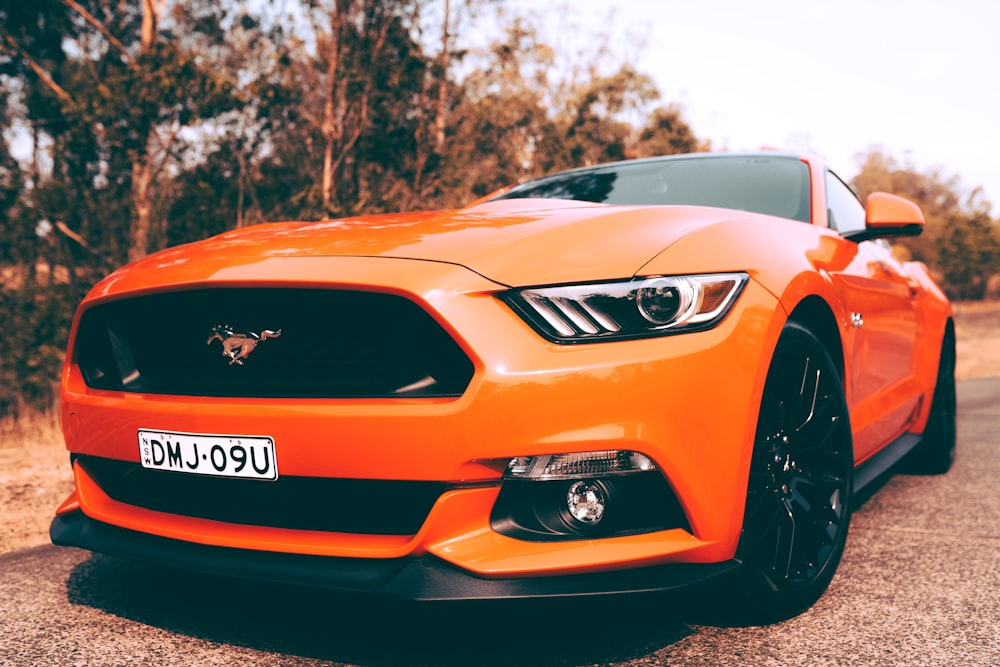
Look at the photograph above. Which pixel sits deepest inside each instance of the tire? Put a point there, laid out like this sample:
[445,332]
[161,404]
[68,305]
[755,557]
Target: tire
[798,505]
[936,452]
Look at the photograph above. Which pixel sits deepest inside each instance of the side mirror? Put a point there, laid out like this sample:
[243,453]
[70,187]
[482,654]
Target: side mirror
[889,215]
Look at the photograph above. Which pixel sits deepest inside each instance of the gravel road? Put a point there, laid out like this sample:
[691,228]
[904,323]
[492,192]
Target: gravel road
[919,585]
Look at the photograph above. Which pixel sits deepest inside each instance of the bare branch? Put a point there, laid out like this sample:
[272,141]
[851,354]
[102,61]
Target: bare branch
[165,147]
[39,71]
[101,28]
[70,234]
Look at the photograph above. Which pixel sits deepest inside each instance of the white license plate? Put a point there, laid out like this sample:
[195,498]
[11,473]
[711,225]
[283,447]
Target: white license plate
[248,456]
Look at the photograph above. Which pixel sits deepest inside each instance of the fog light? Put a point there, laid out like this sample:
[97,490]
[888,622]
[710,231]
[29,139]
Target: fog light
[586,502]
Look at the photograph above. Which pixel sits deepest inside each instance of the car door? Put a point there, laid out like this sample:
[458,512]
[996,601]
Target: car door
[882,392]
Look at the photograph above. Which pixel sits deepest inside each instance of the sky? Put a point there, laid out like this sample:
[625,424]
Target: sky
[920,78]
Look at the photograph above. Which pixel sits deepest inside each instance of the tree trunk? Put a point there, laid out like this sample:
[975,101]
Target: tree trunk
[142,164]
[142,178]
[34,177]
[331,127]
[442,101]
[149,19]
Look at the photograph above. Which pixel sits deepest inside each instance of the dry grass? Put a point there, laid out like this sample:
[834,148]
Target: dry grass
[977,335]
[15,277]
[35,474]
[34,478]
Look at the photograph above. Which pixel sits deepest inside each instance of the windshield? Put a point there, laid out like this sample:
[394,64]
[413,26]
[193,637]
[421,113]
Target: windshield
[774,185]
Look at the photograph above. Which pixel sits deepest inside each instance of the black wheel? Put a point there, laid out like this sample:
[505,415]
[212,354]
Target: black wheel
[936,452]
[799,496]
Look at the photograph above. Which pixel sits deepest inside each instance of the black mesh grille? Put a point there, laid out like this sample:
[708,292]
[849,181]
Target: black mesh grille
[373,507]
[332,343]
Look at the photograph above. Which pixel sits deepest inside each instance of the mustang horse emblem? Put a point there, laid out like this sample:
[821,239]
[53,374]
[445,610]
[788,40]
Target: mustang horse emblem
[238,346]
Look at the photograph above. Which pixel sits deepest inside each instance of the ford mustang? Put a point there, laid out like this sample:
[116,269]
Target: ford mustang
[640,376]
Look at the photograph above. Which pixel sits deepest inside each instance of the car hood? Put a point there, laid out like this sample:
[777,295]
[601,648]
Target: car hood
[513,242]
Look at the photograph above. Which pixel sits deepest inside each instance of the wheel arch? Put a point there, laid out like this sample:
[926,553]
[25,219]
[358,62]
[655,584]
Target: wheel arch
[949,338]
[815,314]
[928,364]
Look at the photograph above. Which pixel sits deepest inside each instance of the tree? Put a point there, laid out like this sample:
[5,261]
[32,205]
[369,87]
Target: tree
[31,47]
[959,242]
[666,133]
[125,91]
[350,46]
[595,120]
[933,191]
[502,129]
[11,184]
[968,252]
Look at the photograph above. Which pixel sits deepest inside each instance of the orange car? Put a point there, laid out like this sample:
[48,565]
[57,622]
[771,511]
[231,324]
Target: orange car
[633,377]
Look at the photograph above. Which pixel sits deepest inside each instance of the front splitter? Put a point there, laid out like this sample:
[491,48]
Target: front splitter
[424,578]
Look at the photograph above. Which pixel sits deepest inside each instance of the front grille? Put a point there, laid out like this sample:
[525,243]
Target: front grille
[332,344]
[370,507]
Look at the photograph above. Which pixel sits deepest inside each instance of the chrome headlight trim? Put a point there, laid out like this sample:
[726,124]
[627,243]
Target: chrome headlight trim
[640,307]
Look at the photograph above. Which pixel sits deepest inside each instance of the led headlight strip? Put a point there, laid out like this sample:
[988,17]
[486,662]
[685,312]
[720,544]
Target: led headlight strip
[635,308]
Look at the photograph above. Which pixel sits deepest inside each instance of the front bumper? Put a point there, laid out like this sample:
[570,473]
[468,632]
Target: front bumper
[688,402]
[424,578]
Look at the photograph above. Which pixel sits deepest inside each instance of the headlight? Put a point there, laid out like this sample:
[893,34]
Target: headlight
[636,308]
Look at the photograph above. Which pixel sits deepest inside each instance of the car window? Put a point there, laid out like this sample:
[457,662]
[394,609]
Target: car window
[845,210]
[774,185]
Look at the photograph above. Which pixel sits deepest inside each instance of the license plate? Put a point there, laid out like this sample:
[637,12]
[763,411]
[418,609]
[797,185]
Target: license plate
[246,456]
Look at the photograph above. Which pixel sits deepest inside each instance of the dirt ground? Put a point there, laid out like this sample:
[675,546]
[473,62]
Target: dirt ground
[35,475]
[34,478]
